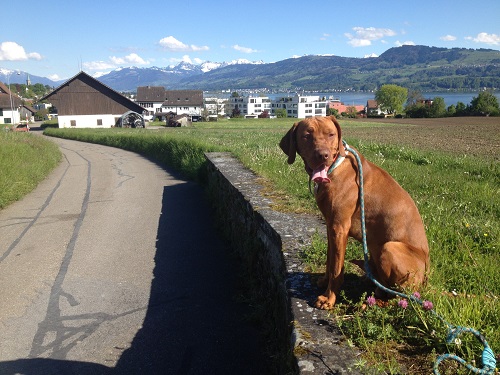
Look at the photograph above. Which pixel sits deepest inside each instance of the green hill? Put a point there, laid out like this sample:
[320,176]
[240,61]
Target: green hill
[416,67]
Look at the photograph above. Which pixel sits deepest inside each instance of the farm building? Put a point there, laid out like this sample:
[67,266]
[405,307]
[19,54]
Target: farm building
[9,106]
[160,102]
[84,102]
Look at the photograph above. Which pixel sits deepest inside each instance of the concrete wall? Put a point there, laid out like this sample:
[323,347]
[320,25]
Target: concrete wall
[268,243]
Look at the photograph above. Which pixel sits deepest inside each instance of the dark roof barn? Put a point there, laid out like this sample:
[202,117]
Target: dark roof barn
[84,95]
[150,94]
[5,96]
[190,98]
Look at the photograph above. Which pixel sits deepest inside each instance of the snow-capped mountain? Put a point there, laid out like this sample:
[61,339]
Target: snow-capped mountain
[128,79]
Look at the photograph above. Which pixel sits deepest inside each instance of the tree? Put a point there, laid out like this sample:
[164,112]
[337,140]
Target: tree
[351,112]
[451,110]
[414,97]
[391,98]
[485,104]
[332,112]
[280,113]
[438,107]
[236,112]
[461,109]
[417,110]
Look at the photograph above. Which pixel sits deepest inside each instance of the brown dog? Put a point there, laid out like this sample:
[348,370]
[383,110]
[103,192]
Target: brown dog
[399,253]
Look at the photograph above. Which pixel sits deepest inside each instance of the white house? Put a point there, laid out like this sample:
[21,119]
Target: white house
[189,102]
[151,98]
[9,106]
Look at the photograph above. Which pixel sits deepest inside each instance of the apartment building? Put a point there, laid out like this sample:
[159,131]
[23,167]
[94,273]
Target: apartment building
[298,106]
[301,106]
[250,106]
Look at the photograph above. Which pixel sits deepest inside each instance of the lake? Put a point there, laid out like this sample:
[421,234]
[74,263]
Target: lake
[360,98]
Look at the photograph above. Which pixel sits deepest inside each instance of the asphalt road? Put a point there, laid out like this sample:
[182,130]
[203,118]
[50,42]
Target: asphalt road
[112,266]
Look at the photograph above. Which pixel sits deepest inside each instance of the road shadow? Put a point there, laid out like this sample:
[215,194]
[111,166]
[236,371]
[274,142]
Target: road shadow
[194,323]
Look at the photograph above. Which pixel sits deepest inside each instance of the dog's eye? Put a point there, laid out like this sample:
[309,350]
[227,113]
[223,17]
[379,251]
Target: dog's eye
[306,136]
[332,135]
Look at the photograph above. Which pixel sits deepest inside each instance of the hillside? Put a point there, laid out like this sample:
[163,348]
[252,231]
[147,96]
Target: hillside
[417,67]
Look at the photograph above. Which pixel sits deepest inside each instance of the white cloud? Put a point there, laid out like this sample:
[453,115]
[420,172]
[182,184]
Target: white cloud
[355,42]
[133,58]
[98,65]
[486,38]
[173,45]
[11,51]
[448,38]
[54,77]
[397,43]
[115,62]
[244,49]
[364,36]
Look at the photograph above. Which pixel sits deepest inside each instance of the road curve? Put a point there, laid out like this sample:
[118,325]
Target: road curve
[112,266]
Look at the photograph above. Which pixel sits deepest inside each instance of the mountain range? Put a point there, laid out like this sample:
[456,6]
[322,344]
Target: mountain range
[415,67]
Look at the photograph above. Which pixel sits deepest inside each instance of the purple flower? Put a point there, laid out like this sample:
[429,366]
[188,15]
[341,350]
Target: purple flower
[427,305]
[403,303]
[371,301]
[416,295]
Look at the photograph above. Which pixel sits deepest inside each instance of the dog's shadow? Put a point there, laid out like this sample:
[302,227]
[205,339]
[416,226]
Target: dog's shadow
[307,287]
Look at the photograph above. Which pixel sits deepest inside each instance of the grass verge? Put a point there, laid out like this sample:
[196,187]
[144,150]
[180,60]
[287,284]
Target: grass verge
[25,160]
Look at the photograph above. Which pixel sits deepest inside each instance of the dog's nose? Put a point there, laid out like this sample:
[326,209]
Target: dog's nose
[323,154]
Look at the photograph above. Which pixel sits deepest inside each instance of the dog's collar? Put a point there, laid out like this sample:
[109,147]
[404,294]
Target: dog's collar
[339,158]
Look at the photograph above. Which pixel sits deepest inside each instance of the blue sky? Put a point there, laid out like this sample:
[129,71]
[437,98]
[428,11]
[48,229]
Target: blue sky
[57,39]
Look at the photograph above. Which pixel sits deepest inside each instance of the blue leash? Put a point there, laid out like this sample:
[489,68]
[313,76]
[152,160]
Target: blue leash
[488,357]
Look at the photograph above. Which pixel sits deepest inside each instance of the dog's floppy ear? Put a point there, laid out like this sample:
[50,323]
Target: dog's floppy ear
[289,144]
[341,147]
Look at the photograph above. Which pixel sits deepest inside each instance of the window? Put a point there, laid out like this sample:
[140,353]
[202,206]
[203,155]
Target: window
[1,112]
[7,120]
[73,122]
[99,121]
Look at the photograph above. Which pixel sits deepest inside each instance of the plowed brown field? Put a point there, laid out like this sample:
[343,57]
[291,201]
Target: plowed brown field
[471,136]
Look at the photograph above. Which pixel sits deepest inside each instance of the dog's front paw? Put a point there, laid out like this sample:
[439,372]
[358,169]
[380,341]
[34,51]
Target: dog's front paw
[325,303]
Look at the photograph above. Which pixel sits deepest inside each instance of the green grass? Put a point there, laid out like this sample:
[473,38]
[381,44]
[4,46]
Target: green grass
[458,198]
[25,160]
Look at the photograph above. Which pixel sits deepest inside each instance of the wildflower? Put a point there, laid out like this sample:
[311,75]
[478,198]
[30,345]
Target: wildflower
[371,301]
[416,295]
[403,303]
[427,305]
